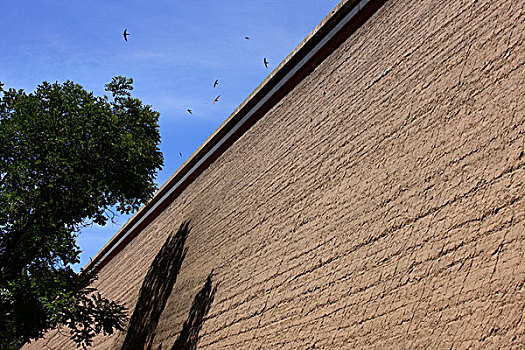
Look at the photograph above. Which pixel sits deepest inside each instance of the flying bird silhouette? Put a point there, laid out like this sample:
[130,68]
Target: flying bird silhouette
[189,111]
[247,37]
[216,99]
[180,154]
[216,83]
[125,34]
[265,62]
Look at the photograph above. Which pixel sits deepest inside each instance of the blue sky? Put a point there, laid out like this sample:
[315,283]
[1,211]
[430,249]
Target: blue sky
[175,51]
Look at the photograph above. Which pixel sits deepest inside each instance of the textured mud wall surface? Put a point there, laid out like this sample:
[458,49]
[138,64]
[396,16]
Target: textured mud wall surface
[377,206]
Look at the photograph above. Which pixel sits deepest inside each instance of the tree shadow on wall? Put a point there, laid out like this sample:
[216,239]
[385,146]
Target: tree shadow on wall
[155,290]
[189,336]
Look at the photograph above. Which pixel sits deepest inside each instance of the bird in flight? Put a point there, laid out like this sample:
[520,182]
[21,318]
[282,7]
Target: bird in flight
[125,34]
[189,111]
[216,99]
[216,83]
[265,62]
[247,37]
[180,154]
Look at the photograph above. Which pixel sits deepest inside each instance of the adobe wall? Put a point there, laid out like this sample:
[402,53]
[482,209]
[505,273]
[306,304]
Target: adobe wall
[379,205]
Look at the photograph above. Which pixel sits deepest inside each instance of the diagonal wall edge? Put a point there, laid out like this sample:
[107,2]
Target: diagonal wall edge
[336,27]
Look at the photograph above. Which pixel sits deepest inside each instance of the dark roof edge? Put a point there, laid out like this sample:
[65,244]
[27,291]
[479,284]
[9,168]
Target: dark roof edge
[342,21]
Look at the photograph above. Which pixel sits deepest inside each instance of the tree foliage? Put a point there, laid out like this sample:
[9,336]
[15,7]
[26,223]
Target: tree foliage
[66,158]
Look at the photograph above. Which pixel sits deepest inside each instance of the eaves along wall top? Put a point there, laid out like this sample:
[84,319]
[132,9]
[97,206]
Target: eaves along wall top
[336,27]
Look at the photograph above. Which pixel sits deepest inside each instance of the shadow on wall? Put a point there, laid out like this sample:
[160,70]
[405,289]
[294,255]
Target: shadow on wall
[155,290]
[189,336]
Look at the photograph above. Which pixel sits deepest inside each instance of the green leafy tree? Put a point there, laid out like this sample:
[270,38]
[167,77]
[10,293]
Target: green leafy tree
[66,158]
